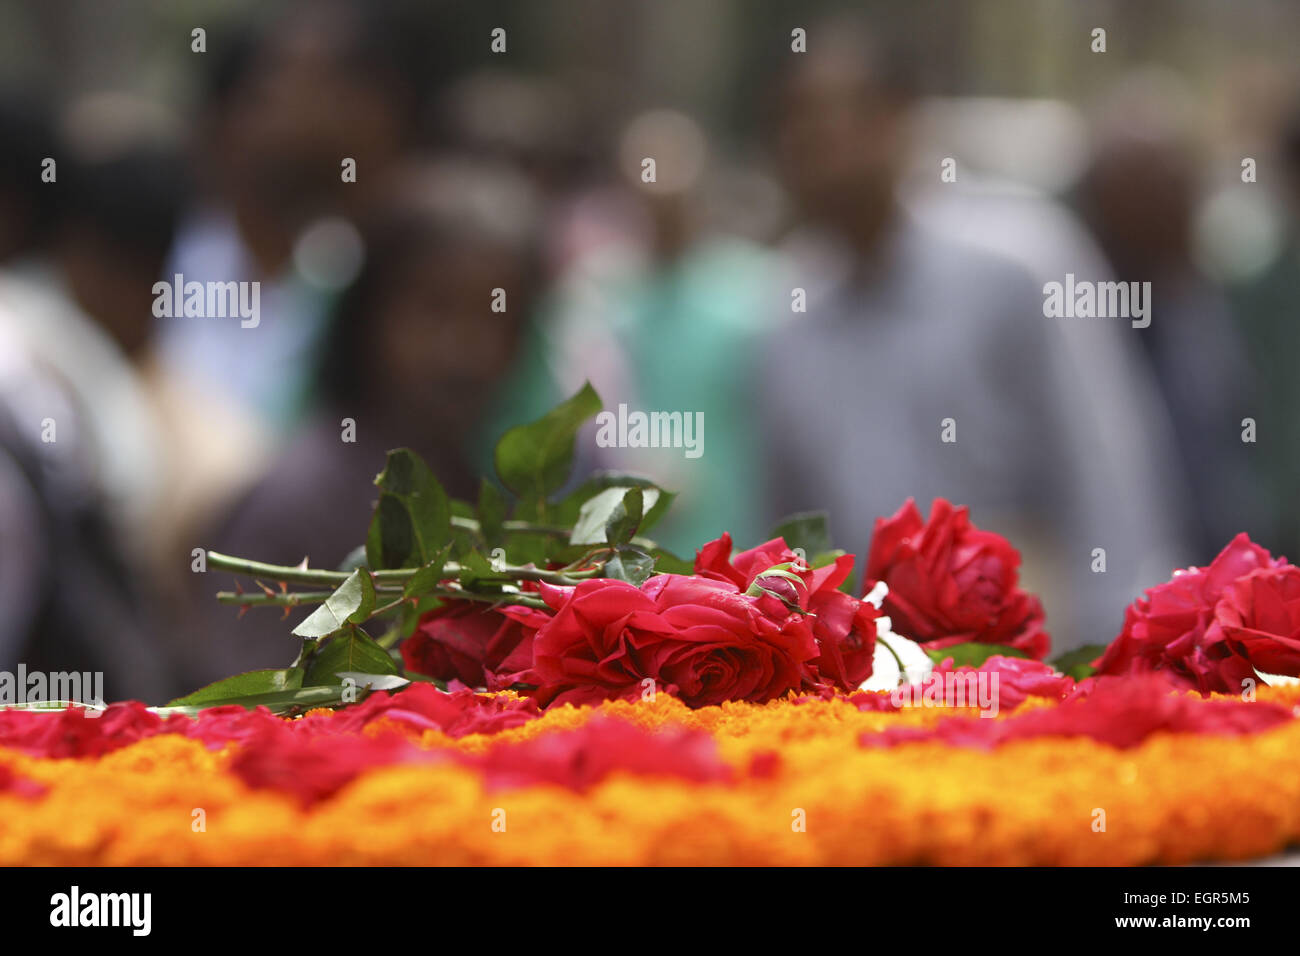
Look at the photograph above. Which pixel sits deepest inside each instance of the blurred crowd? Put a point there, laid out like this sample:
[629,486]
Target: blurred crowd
[852,296]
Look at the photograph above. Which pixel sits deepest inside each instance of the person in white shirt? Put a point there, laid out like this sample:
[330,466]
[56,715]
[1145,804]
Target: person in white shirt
[912,336]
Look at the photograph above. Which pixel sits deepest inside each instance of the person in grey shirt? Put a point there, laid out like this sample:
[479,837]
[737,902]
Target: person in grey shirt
[911,337]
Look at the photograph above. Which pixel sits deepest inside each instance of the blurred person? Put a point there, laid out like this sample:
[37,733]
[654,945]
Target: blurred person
[662,315]
[908,328]
[73,600]
[1139,194]
[75,314]
[530,121]
[1266,306]
[85,306]
[286,107]
[415,357]
[80,304]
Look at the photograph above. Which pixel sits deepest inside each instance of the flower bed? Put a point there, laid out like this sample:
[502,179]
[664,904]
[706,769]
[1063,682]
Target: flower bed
[425,777]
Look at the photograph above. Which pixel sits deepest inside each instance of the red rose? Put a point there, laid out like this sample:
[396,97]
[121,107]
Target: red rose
[846,634]
[473,643]
[845,627]
[1174,627]
[951,583]
[715,560]
[699,639]
[1259,616]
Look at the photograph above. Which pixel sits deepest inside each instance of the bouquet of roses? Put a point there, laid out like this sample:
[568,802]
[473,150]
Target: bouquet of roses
[563,598]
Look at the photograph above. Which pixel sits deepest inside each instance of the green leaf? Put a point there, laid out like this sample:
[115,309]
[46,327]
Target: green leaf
[463,538]
[631,565]
[351,602]
[491,513]
[356,559]
[242,685]
[474,567]
[971,654]
[809,530]
[1078,662]
[390,539]
[608,510]
[417,678]
[278,702]
[352,650]
[657,510]
[524,547]
[412,519]
[668,563]
[534,460]
[566,511]
[565,553]
[535,547]
[626,516]
[428,577]
[366,681]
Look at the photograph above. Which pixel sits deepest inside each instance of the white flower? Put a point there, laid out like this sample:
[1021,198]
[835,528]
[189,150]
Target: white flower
[1276,680]
[876,596]
[892,648]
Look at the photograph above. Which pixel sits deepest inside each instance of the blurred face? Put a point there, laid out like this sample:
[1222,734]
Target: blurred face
[1140,198]
[113,286]
[302,108]
[439,349]
[839,141]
